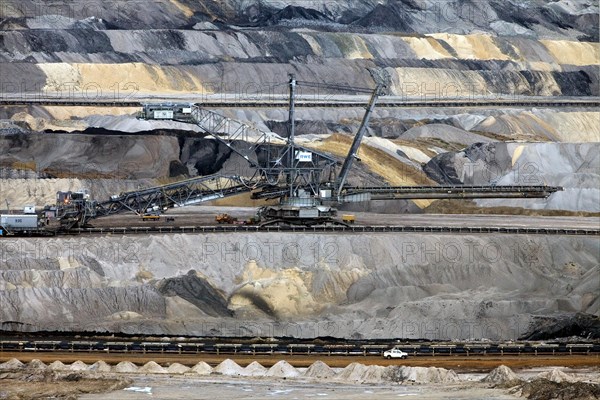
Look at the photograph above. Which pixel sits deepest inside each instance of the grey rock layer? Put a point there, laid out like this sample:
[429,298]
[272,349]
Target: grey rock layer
[380,286]
[574,166]
[94,156]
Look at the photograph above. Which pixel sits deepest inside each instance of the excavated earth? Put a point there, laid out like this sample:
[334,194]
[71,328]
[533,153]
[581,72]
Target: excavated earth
[302,285]
[431,286]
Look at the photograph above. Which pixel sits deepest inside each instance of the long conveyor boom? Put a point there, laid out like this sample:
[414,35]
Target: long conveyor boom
[159,198]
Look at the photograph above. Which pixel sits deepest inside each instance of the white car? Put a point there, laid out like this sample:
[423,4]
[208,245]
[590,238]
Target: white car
[394,353]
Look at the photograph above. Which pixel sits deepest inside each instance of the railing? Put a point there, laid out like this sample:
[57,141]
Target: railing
[358,229]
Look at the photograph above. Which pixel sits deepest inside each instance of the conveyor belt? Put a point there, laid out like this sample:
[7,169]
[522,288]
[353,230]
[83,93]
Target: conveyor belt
[341,348]
[583,103]
[355,229]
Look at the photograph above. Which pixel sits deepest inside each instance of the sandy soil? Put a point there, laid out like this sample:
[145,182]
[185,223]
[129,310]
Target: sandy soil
[51,385]
[182,388]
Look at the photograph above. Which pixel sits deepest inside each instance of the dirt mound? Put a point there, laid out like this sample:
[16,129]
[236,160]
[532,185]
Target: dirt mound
[555,375]
[255,369]
[57,366]
[78,366]
[177,368]
[420,375]
[320,370]
[202,368]
[374,374]
[543,389]
[357,372]
[502,375]
[282,369]
[152,368]
[125,367]
[13,363]
[353,372]
[36,364]
[99,366]
[228,367]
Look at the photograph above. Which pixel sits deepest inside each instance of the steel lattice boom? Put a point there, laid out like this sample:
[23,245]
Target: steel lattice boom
[73,211]
[304,180]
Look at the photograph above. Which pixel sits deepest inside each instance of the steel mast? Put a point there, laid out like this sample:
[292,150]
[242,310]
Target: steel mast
[292,153]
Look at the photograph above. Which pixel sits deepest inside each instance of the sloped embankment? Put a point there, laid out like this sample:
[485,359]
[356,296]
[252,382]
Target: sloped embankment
[574,166]
[245,63]
[492,286]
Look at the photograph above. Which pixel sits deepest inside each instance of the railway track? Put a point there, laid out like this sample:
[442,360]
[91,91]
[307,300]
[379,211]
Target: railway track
[526,103]
[358,229]
[353,229]
[212,348]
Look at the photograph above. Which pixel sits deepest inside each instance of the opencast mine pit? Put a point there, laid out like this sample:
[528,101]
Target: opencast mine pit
[117,106]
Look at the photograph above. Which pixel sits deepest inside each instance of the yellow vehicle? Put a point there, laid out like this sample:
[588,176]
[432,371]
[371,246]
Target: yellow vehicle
[150,217]
[225,219]
[348,218]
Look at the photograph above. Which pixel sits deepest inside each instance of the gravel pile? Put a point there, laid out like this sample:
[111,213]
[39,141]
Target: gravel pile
[202,368]
[228,367]
[125,367]
[57,366]
[152,368]
[375,374]
[99,366]
[353,372]
[177,368]
[555,375]
[36,364]
[420,375]
[13,363]
[282,369]
[255,369]
[319,370]
[78,366]
[502,376]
